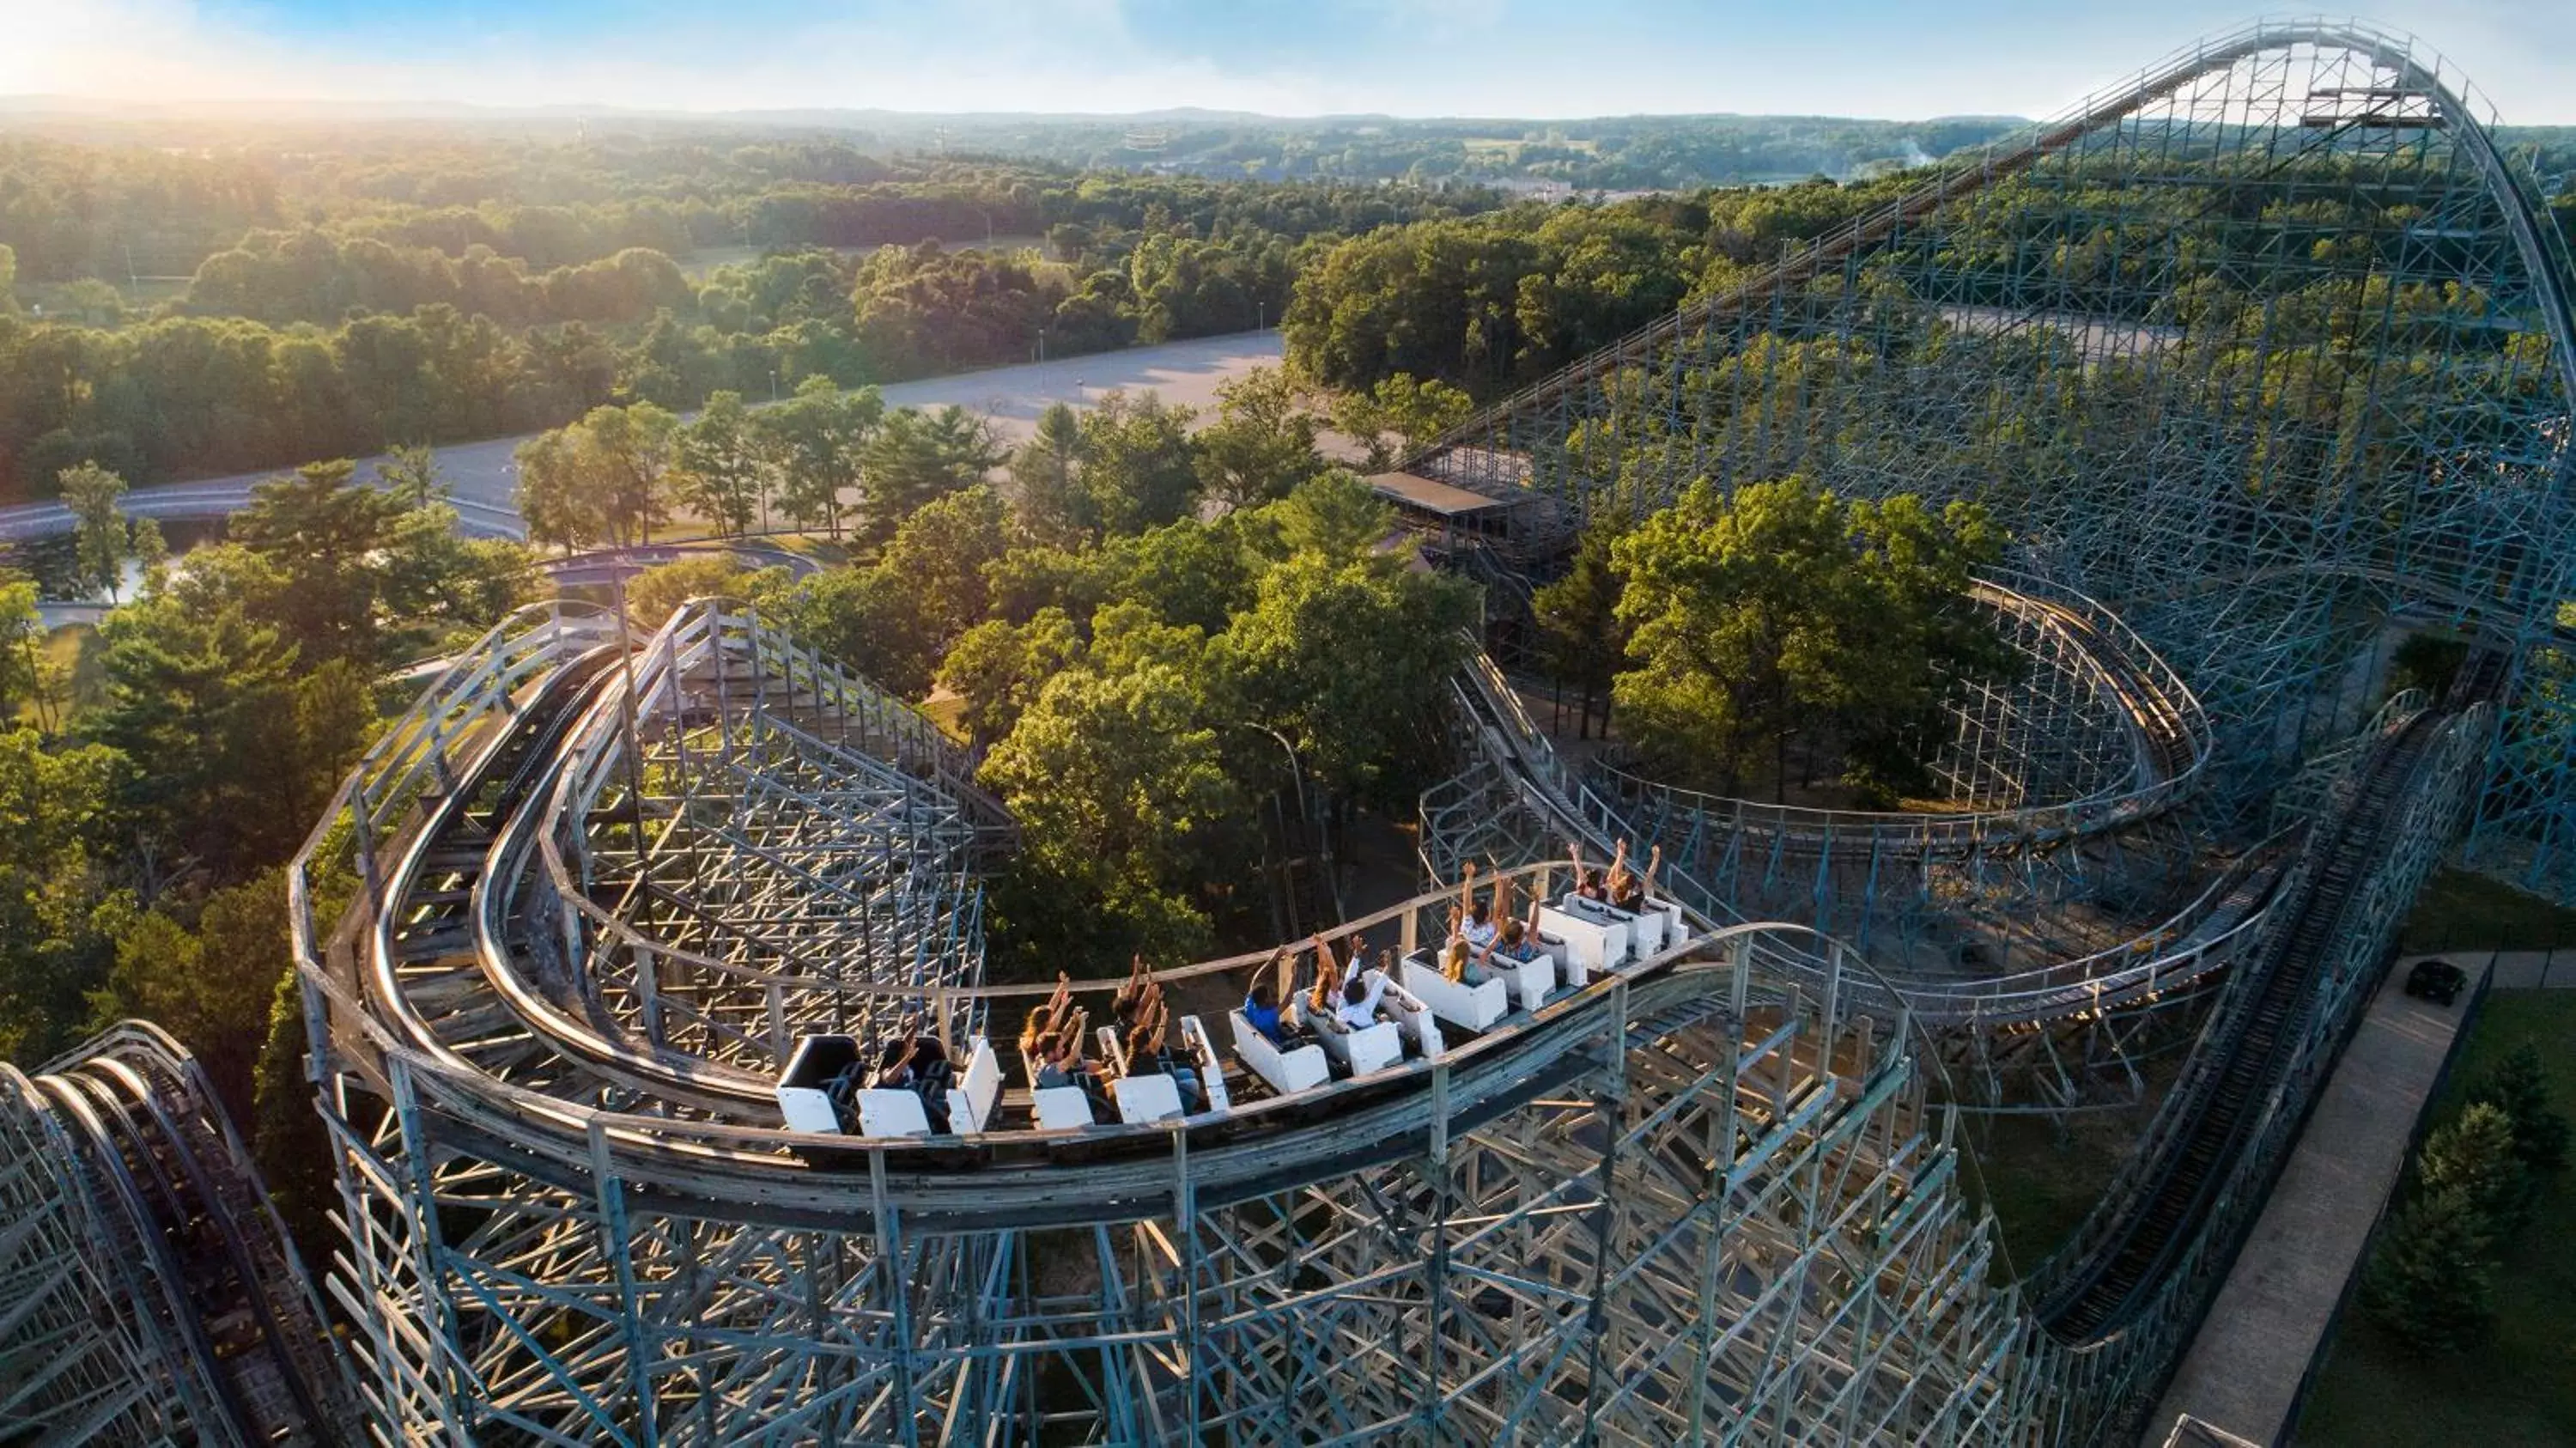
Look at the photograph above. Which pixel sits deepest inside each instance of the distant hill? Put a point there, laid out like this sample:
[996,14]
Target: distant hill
[1607,153]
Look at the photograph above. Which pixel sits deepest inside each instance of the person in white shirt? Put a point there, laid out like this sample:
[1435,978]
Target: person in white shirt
[1360,996]
[1345,996]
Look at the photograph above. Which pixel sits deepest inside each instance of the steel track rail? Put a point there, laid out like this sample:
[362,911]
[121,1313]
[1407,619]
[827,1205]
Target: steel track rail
[2544,254]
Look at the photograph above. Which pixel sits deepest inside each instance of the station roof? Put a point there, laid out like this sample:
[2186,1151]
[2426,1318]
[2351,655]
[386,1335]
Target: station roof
[1430,495]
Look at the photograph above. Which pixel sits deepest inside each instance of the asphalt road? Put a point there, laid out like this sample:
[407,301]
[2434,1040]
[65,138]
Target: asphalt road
[482,474]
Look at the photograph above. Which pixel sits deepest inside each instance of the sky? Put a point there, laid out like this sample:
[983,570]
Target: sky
[1902,59]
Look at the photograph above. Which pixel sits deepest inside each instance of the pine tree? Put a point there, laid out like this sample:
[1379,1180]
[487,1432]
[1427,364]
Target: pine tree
[1580,639]
[2520,1089]
[2429,1283]
[2474,1156]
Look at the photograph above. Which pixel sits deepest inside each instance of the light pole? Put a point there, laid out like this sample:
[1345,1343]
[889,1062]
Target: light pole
[1042,344]
[1297,783]
[1296,767]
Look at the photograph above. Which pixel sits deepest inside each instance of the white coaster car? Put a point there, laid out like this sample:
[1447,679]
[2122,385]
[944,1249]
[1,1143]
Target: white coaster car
[1284,1071]
[1475,1007]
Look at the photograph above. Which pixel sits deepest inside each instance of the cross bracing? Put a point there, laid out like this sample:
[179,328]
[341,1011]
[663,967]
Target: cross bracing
[624,1247]
[1687,1201]
[2268,350]
[1699,1198]
[2119,1301]
[148,1292]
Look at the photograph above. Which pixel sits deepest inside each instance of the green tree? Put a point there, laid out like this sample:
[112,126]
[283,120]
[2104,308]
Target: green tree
[628,452]
[410,472]
[1351,658]
[287,1137]
[325,534]
[818,438]
[334,709]
[552,494]
[1335,516]
[435,586]
[868,620]
[1046,480]
[100,540]
[997,668]
[723,467]
[1399,413]
[1783,610]
[22,659]
[1729,606]
[2430,1283]
[943,554]
[55,858]
[211,985]
[1262,444]
[2474,1156]
[1580,637]
[916,456]
[1139,466]
[151,553]
[204,695]
[653,595]
[2519,1087]
[1911,635]
[1123,797]
[1189,572]
[604,479]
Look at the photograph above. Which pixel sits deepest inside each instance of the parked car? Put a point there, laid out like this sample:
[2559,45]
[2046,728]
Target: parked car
[2437,981]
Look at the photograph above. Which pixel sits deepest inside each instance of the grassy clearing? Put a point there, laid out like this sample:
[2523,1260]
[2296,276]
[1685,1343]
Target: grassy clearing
[2040,1180]
[74,650]
[2462,911]
[2519,1388]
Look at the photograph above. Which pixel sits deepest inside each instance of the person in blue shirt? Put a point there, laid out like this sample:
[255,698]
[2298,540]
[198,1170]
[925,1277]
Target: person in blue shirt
[1263,1008]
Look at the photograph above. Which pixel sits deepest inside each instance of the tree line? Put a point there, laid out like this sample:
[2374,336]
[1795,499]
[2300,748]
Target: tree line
[338,338]
[1491,301]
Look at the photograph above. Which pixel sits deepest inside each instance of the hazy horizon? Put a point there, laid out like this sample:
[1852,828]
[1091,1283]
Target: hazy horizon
[1515,59]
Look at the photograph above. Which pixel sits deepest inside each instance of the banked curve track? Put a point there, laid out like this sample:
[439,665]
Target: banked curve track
[453,1000]
[441,984]
[184,1315]
[2179,954]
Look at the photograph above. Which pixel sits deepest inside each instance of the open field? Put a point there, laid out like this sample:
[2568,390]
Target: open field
[2040,1179]
[74,650]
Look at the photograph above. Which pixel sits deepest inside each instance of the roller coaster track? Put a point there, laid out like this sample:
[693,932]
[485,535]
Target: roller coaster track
[223,1325]
[495,1003]
[2178,953]
[2120,1299]
[436,981]
[2245,1057]
[2541,249]
[2167,736]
